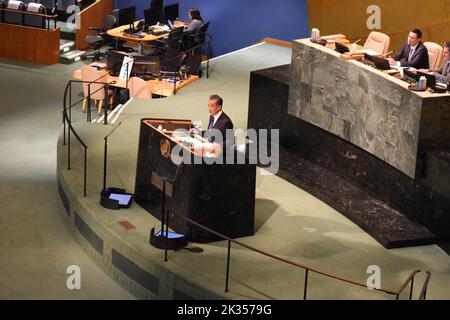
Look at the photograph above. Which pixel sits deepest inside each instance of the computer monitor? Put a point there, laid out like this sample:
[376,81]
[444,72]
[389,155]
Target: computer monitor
[152,17]
[114,61]
[431,79]
[145,65]
[127,16]
[341,48]
[171,12]
[379,63]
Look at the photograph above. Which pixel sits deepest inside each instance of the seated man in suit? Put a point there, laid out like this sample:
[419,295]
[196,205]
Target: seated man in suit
[443,73]
[219,122]
[414,54]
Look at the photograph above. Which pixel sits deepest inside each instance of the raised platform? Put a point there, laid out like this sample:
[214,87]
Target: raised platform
[380,199]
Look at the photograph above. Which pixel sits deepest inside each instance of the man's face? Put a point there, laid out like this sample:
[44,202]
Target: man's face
[213,107]
[413,39]
[446,54]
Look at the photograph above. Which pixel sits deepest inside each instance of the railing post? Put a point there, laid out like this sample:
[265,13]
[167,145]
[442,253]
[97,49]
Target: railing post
[105,112]
[167,236]
[305,290]
[207,60]
[64,125]
[411,291]
[68,148]
[88,115]
[397,296]
[70,102]
[85,171]
[228,266]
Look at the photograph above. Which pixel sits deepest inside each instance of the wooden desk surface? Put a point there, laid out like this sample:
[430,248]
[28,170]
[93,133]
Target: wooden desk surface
[158,87]
[118,33]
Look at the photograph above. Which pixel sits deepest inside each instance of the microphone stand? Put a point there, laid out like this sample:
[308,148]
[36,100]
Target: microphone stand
[105,156]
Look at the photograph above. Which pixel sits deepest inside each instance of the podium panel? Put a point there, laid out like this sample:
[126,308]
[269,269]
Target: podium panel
[218,196]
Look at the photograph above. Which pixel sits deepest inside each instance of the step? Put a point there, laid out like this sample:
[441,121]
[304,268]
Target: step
[73,55]
[388,226]
[66,46]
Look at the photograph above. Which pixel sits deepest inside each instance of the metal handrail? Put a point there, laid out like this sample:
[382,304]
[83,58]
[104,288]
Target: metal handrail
[423,292]
[396,293]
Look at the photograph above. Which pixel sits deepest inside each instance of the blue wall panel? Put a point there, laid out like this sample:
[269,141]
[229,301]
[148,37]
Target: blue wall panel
[239,23]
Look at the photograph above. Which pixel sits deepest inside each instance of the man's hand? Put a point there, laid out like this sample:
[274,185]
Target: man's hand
[392,62]
[194,131]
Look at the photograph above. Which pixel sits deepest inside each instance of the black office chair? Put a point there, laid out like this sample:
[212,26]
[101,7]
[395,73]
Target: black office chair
[2,13]
[17,16]
[33,20]
[192,65]
[97,41]
[172,60]
[197,38]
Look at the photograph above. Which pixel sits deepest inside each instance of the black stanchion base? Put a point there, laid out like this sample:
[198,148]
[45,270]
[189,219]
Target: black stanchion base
[115,198]
[175,241]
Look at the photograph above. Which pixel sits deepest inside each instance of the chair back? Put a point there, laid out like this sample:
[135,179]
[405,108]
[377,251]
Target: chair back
[64,4]
[32,20]
[435,52]
[175,37]
[109,22]
[378,41]
[2,13]
[14,17]
[139,88]
[193,63]
[97,90]
[171,61]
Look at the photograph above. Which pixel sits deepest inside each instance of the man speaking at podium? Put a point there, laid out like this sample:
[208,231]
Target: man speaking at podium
[219,122]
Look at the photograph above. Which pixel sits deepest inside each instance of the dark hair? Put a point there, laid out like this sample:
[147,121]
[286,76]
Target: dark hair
[447,44]
[418,32]
[216,98]
[195,14]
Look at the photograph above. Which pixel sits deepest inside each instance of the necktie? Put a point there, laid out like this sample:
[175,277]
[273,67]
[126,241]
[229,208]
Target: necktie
[411,53]
[211,122]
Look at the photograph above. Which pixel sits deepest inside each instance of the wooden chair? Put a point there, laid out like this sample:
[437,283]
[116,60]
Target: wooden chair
[139,88]
[435,53]
[378,41]
[97,91]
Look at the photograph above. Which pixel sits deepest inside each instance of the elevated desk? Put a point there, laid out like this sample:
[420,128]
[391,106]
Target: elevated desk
[219,196]
[157,87]
[367,107]
[119,34]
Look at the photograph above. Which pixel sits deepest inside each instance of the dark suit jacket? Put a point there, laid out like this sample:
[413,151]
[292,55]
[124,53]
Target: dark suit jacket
[419,60]
[222,124]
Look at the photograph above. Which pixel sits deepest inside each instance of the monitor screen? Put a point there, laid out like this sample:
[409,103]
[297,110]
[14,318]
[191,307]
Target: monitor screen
[152,17]
[145,64]
[171,12]
[124,199]
[114,60]
[127,15]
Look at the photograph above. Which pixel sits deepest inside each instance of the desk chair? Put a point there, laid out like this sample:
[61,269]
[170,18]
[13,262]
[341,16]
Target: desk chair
[139,88]
[2,13]
[192,64]
[35,21]
[95,42]
[172,60]
[435,52]
[14,17]
[97,91]
[378,41]
[48,4]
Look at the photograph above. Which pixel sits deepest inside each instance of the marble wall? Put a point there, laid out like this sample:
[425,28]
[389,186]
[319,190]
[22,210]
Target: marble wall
[357,103]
